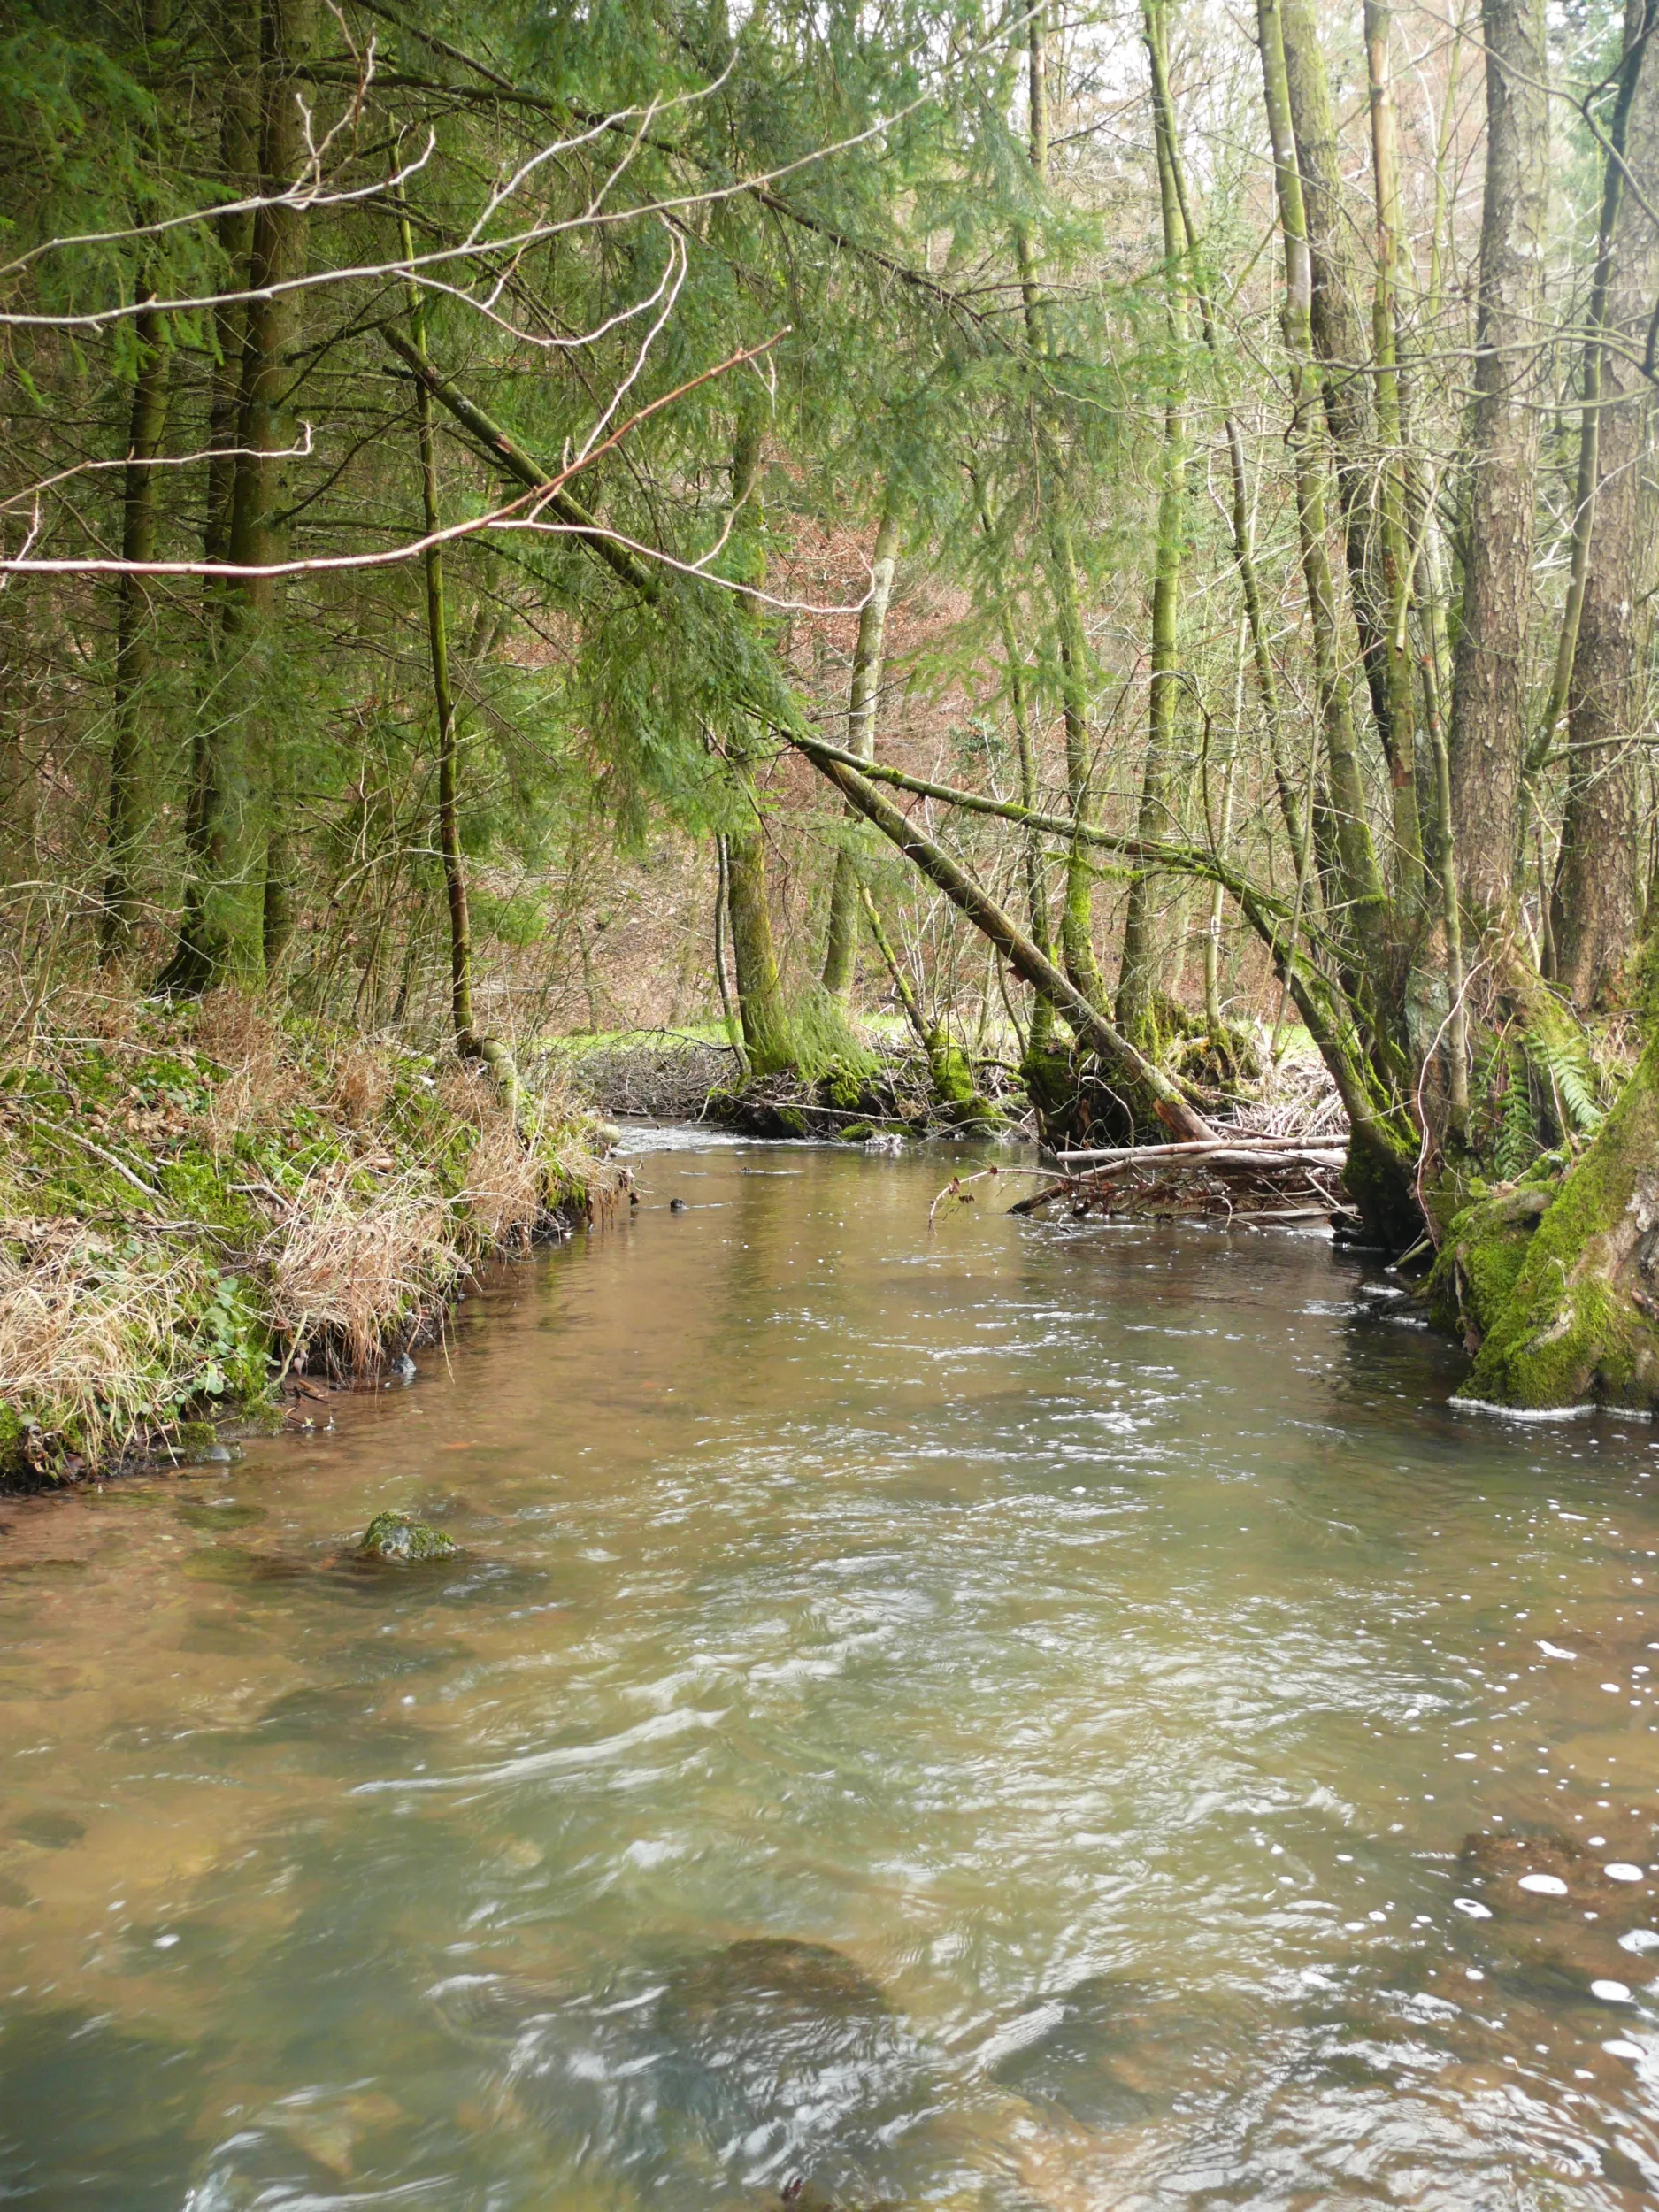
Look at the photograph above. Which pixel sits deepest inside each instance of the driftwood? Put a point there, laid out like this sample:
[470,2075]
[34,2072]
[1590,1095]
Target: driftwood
[1243,1178]
[1249,1152]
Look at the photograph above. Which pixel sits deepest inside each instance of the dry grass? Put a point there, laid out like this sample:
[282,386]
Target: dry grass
[348,1275]
[170,1224]
[92,1342]
[505,1183]
[361,1082]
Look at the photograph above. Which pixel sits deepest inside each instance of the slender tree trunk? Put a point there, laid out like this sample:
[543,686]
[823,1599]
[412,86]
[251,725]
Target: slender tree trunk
[768,1034]
[1487,738]
[1364,442]
[1077,911]
[1596,903]
[443,696]
[134,652]
[1240,513]
[1391,649]
[840,951]
[1142,963]
[1040,1035]
[1359,888]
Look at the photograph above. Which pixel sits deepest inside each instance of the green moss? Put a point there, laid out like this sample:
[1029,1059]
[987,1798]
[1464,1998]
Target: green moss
[1480,1260]
[402,1542]
[857,1133]
[14,1442]
[1579,1321]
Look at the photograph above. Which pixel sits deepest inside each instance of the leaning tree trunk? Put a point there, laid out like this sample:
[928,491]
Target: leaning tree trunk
[1487,739]
[1596,899]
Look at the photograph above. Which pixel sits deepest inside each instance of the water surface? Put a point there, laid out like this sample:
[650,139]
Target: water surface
[1024,1716]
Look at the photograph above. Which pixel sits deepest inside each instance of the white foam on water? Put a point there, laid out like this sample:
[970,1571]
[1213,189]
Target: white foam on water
[1544,1884]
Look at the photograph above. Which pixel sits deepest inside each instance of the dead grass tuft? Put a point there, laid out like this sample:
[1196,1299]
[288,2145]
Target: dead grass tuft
[361,1082]
[504,1185]
[347,1273]
[91,1342]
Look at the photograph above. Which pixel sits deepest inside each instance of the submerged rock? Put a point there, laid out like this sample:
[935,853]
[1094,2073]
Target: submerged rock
[403,1542]
[766,2063]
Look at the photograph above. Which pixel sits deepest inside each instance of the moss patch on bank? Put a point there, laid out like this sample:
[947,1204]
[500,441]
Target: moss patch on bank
[198,1202]
[1580,1320]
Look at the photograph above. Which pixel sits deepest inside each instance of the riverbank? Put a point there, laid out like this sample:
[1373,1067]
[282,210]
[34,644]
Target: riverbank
[209,1212]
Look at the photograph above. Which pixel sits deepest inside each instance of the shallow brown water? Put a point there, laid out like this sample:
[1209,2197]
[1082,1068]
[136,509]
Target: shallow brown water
[1026,1716]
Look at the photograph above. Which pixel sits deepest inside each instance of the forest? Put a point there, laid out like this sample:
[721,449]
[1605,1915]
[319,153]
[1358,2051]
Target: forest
[1112,540]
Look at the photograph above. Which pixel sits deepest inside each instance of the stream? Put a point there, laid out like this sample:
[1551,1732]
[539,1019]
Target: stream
[1019,1716]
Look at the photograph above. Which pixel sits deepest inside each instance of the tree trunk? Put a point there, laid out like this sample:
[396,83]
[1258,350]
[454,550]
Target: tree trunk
[241,903]
[1125,1064]
[1582,1319]
[1359,887]
[1596,899]
[768,1038]
[1363,441]
[840,950]
[134,652]
[1142,963]
[443,696]
[1487,741]
[1076,910]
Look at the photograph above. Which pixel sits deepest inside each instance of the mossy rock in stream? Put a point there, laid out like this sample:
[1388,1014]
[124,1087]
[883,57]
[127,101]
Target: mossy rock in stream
[400,1541]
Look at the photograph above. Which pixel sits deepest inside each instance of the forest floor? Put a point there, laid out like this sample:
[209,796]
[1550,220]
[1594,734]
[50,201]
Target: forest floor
[209,1213]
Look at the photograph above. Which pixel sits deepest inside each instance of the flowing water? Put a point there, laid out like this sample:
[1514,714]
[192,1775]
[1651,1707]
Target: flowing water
[1019,1715]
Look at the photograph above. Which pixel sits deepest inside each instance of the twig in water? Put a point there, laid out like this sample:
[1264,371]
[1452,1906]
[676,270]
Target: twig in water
[957,1188]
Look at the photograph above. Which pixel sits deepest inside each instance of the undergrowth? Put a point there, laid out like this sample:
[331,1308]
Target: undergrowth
[198,1201]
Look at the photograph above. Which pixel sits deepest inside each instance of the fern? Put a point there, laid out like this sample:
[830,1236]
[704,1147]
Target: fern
[1518,1139]
[1561,1058]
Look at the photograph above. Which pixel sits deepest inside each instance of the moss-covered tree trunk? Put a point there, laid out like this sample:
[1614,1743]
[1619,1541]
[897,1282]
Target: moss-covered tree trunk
[768,1037]
[1581,1319]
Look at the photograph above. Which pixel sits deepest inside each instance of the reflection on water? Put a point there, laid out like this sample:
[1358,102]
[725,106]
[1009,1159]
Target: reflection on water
[1026,1717]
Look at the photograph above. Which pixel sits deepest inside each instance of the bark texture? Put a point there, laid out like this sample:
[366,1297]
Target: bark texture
[1487,737]
[1596,904]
